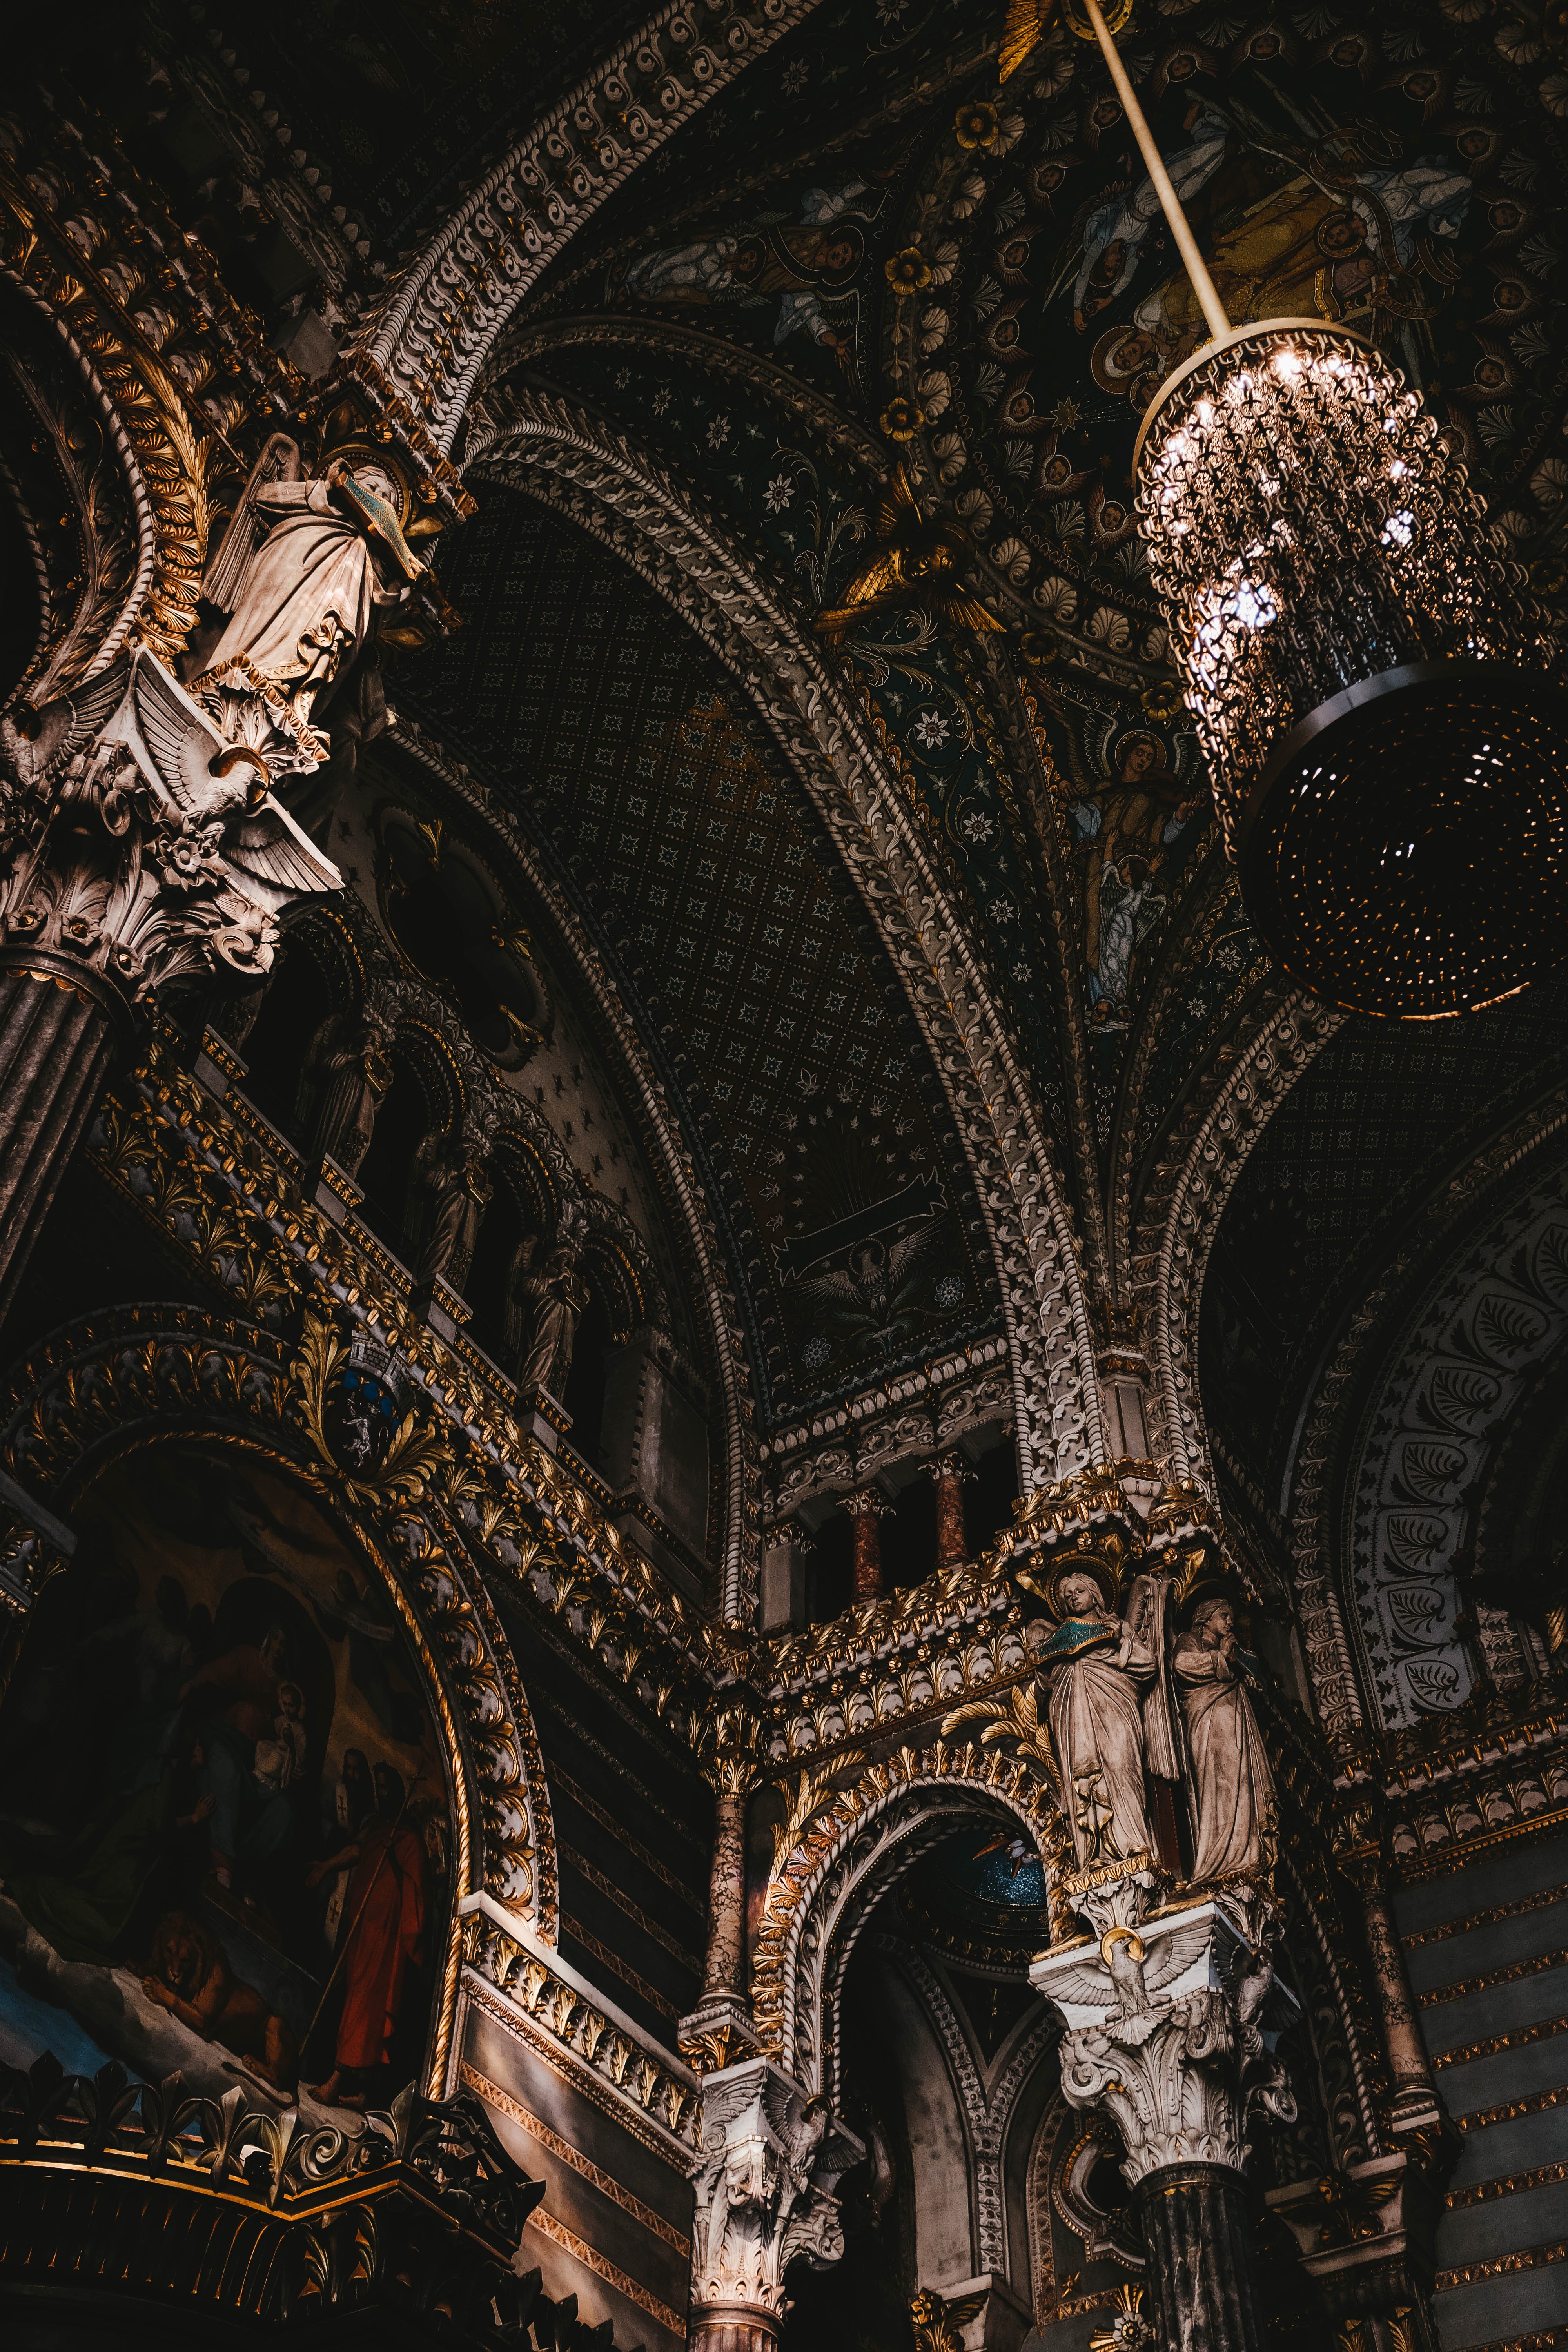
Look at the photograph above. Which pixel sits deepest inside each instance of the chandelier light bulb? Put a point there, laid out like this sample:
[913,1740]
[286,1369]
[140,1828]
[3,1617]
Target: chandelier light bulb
[1369,681]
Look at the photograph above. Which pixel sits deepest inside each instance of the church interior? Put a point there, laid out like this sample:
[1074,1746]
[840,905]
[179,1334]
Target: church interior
[784,1175]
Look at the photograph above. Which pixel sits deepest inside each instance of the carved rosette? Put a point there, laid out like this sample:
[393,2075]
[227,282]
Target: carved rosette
[763,2194]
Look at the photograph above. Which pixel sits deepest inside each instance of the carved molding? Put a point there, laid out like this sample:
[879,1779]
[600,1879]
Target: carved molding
[1181,1209]
[849,1849]
[430,339]
[1336,1656]
[598,481]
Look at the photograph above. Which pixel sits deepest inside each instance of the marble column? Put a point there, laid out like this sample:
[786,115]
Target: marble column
[949,1474]
[1416,2104]
[60,1030]
[1198,2240]
[1169,2027]
[866,1509]
[119,812]
[724,1976]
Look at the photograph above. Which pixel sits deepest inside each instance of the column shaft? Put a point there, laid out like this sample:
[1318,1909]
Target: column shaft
[726,2327]
[726,1971]
[58,1038]
[951,1537]
[1199,2296]
[1401,2028]
[869,1583]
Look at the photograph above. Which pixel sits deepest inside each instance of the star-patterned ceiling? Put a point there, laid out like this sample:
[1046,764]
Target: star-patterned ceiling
[844,1199]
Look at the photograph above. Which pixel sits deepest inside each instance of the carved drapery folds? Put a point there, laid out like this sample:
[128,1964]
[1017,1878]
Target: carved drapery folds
[1172,2008]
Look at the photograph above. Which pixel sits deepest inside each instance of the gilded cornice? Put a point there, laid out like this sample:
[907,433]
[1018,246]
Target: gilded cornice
[181,367]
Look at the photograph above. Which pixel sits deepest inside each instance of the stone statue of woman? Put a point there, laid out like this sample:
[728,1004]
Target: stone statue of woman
[559,1295]
[346,1052]
[1234,1787]
[1098,1667]
[303,571]
[461,1189]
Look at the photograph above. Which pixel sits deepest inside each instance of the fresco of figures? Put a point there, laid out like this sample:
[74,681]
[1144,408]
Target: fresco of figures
[223,1829]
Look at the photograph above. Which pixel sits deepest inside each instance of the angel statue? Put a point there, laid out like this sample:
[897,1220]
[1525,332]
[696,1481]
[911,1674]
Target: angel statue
[1235,1788]
[303,572]
[1099,1666]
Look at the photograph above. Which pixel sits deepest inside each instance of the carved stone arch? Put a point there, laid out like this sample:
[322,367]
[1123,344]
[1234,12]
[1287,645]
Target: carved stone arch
[638,1288]
[600,481]
[325,936]
[527,344]
[849,1855]
[522,1171]
[429,1053]
[715,1317]
[430,341]
[119,548]
[105,1387]
[1180,1214]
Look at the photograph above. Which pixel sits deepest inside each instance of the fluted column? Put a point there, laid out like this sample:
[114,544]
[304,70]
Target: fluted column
[59,1030]
[949,1474]
[866,1509]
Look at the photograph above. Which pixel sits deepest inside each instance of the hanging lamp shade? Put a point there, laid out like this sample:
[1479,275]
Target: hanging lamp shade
[1369,681]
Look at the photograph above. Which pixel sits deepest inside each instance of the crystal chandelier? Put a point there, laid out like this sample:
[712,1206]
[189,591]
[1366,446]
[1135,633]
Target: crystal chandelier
[1369,681]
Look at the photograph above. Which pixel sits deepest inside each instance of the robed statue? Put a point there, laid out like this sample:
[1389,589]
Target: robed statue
[304,570]
[557,1295]
[347,1057]
[1233,1787]
[460,1187]
[1100,1667]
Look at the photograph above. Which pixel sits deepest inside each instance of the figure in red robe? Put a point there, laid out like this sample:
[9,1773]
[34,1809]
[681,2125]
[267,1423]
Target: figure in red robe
[384,1912]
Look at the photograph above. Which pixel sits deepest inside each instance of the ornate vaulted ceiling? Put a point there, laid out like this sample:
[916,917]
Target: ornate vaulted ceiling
[829,1161]
[852,267]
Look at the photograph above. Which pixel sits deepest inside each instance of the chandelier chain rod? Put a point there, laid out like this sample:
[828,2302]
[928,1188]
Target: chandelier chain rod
[1203,287]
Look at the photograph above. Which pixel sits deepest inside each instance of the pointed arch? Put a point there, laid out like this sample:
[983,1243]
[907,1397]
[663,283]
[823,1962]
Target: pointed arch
[597,479]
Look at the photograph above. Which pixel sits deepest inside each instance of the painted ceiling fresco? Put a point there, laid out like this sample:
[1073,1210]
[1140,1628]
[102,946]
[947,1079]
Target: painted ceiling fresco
[831,1161]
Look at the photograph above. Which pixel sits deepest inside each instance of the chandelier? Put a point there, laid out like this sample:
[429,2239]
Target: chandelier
[1368,679]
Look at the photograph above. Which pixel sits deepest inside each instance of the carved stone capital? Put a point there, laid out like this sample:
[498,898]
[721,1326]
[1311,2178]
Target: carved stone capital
[1368,2234]
[763,2194]
[1172,2023]
[139,846]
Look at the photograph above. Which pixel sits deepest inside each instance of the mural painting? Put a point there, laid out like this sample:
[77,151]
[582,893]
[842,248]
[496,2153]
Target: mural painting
[224,1835]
